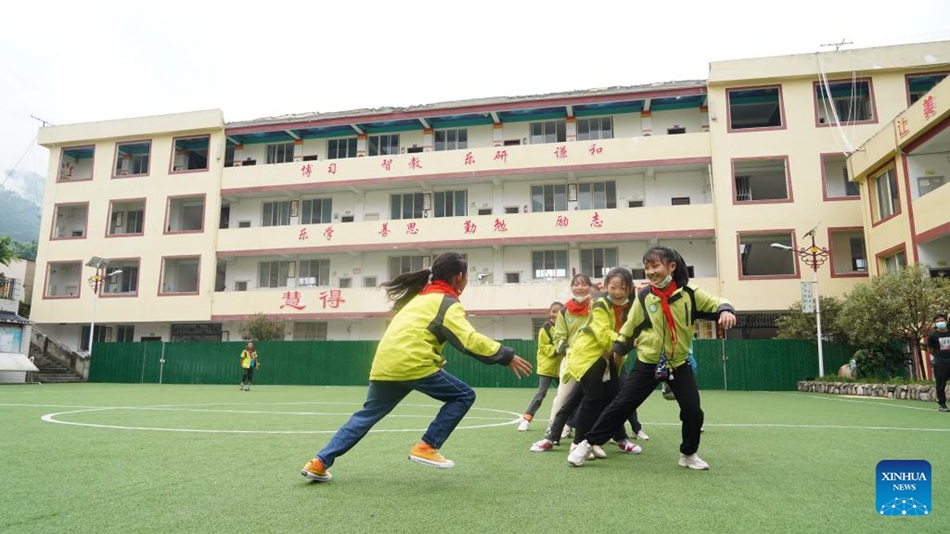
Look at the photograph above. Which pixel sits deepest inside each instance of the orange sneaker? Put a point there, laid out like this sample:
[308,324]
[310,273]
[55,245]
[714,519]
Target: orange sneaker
[315,471]
[424,454]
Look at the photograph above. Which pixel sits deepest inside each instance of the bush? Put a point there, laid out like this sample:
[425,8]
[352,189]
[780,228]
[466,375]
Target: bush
[262,328]
[880,362]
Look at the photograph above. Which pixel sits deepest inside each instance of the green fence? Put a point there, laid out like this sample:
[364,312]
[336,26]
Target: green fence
[759,365]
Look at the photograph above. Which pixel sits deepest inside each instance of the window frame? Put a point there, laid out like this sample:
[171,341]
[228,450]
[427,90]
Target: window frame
[832,230]
[819,86]
[92,165]
[560,257]
[115,162]
[168,207]
[416,196]
[455,203]
[334,153]
[606,194]
[79,280]
[824,179]
[109,216]
[276,213]
[375,145]
[323,264]
[273,152]
[456,144]
[555,195]
[779,235]
[875,194]
[592,252]
[783,122]
[85,227]
[894,252]
[908,76]
[138,276]
[288,266]
[790,194]
[161,276]
[326,208]
[175,149]
[600,130]
[560,127]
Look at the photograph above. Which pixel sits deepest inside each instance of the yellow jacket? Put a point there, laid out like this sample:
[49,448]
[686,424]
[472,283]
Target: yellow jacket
[596,337]
[246,358]
[411,347]
[548,359]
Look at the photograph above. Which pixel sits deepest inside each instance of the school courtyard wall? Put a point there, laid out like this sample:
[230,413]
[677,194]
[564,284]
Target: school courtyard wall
[740,365]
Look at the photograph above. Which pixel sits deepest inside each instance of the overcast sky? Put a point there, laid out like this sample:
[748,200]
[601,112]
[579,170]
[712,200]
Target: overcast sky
[79,61]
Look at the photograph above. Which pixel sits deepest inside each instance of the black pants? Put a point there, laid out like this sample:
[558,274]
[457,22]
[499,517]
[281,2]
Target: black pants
[638,386]
[941,373]
[248,377]
[568,415]
[597,395]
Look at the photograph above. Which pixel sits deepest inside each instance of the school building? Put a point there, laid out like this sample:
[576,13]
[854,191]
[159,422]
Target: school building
[180,227]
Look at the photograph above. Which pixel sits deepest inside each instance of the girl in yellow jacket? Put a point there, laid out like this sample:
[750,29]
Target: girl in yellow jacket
[549,362]
[409,357]
[661,321]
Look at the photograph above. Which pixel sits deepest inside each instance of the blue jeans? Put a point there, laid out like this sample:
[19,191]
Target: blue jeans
[382,397]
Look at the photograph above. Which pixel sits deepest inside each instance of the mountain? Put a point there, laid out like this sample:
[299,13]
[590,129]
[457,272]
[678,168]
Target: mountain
[27,184]
[21,216]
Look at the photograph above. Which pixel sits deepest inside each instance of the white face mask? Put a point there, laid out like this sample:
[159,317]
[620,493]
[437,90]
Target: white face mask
[579,298]
[663,283]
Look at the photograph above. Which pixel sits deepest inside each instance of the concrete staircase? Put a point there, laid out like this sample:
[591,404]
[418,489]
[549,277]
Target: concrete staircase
[56,362]
[51,371]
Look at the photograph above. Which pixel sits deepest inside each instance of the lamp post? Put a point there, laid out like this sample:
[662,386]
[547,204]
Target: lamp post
[814,257]
[95,282]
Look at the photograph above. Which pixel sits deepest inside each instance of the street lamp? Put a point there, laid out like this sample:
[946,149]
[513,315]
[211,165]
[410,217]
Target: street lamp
[813,256]
[95,282]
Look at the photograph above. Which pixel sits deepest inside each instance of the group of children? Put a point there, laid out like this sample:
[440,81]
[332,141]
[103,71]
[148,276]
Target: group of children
[585,348]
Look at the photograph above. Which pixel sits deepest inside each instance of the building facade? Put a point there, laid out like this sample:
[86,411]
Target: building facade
[205,223]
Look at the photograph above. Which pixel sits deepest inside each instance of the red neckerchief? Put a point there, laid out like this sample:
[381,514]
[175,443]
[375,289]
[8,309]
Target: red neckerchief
[578,308]
[439,286]
[620,311]
[665,295]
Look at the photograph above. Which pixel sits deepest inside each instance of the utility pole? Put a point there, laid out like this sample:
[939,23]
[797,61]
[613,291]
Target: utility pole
[838,45]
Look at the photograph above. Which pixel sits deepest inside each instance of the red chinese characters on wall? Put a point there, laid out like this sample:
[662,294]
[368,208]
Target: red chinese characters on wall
[469,158]
[331,168]
[332,298]
[415,163]
[930,107]
[469,226]
[902,130]
[293,299]
[302,235]
[562,222]
[500,226]
[561,152]
[385,230]
[412,228]
[594,149]
[328,233]
[501,155]
[596,221]
[306,170]
[387,164]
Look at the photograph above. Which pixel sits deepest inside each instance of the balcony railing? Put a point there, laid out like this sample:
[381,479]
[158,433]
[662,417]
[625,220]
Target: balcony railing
[8,288]
[482,162]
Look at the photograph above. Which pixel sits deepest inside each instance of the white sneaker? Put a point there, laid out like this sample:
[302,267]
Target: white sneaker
[567,432]
[542,446]
[642,435]
[693,462]
[598,452]
[579,453]
[629,446]
[523,425]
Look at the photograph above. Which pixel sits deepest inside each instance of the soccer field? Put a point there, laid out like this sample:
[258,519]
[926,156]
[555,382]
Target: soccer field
[151,458]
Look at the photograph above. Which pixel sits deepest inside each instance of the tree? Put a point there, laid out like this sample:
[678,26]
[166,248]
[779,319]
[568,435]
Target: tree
[25,251]
[262,328]
[893,307]
[796,324]
[7,253]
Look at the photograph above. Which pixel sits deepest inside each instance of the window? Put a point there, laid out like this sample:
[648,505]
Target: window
[126,217]
[126,279]
[760,179]
[314,273]
[188,332]
[679,201]
[406,264]
[276,213]
[185,214]
[180,275]
[75,163]
[757,257]
[597,195]
[453,139]
[310,331]
[551,197]
[280,153]
[927,184]
[595,128]
[887,201]
[124,333]
[849,101]
[274,273]
[341,148]
[512,278]
[597,261]
[345,282]
[63,279]
[316,211]
[240,285]
[847,251]
[191,154]
[548,132]
[835,173]
[384,145]
[755,108]
[919,85]
[99,335]
[369,281]
[451,203]
[406,206]
[549,263]
[131,159]
[895,262]
[69,221]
